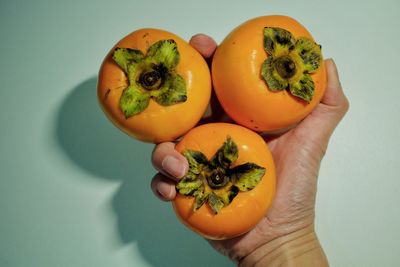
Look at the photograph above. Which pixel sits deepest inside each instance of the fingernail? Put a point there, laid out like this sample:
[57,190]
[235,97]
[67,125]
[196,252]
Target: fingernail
[333,62]
[173,166]
[165,190]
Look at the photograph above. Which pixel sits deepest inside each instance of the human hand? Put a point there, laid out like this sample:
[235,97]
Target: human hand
[297,155]
[172,165]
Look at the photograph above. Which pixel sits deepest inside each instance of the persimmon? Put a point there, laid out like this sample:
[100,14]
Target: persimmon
[230,183]
[153,85]
[268,73]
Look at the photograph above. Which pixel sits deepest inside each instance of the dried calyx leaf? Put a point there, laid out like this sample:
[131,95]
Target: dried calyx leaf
[290,62]
[215,182]
[247,176]
[277,40]
[150,76]
[226,154]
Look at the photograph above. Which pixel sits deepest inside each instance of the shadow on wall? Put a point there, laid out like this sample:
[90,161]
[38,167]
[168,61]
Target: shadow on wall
[95,145]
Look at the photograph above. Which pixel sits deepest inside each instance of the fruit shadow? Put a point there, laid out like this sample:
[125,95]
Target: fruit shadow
[95,145]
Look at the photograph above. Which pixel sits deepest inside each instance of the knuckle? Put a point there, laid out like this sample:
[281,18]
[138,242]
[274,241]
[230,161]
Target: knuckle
[346,104]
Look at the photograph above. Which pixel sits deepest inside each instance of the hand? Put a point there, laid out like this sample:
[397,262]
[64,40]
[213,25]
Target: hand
[297,154]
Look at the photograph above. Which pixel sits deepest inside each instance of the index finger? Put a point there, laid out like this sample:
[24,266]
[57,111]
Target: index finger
[168,161]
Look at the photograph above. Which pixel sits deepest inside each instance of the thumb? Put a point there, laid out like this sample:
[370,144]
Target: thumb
[322,121]
[334,103]
[334,95]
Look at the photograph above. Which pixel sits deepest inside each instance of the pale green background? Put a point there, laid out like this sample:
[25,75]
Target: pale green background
[74,191]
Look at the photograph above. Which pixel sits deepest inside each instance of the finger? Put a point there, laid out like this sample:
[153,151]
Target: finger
[204,44]
[334,103]
[163,187]
[318,127]
[334,95]
[168,161]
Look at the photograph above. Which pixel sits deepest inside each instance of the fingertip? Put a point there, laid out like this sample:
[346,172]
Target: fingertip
[165,191]
[204,44]
[163,188]
[334,95]
[332,69]
[168,161]
[159,153]
[174,166]
[330,61]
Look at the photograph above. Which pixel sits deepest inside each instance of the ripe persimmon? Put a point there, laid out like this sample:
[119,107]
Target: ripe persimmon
[268,73]
[230,183]
[154,86]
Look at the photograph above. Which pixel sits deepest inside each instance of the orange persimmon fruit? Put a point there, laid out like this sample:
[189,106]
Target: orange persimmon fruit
[268,73]
[154,86]
[230,183]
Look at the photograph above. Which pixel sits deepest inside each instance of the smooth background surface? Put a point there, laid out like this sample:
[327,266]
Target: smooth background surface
[74,191]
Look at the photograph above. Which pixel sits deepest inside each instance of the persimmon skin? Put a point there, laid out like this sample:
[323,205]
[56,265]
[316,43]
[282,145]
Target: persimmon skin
[242,91]
[247,208]
[156,123]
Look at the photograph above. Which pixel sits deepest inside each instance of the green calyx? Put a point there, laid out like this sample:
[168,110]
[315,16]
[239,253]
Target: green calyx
[150,76]
[290,63]
[214,181]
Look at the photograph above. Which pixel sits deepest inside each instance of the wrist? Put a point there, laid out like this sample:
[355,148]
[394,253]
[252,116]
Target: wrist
[299,248]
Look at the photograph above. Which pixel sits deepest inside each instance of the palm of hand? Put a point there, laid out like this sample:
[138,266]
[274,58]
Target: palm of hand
[297,159]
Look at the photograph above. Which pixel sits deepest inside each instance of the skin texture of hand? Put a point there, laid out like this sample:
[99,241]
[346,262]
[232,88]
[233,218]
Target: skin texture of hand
[297,155]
